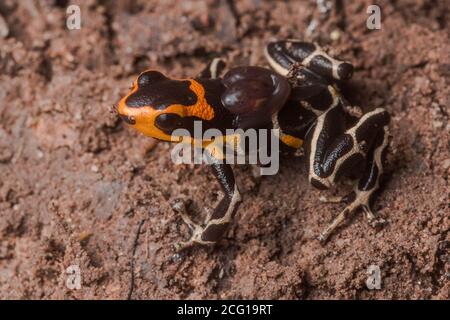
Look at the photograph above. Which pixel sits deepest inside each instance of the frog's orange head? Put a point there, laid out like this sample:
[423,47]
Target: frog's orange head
[157,105]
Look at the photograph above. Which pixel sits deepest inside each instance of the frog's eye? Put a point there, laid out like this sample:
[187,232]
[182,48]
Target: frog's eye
[150,77]
[168,122]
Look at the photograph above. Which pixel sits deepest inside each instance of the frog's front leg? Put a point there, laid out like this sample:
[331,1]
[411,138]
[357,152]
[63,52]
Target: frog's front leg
[334,152]
[216,224]
[213,70]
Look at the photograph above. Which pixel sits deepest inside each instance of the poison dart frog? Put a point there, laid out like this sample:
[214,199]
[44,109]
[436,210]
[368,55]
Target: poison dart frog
[298,96]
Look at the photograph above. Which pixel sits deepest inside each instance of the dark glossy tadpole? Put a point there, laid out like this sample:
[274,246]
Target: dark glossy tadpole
[247,96]
[254,94]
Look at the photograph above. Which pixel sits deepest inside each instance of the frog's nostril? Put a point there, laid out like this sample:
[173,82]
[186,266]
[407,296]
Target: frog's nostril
[128,119]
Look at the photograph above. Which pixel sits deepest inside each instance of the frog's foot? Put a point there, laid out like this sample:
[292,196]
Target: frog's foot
[196,237]
[373,220]
[362,201]
[196,229]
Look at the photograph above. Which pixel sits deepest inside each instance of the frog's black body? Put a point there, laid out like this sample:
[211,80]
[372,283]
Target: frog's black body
[300,99]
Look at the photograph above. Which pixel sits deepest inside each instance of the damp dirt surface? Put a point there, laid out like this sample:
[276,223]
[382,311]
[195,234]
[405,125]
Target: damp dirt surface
[80,190]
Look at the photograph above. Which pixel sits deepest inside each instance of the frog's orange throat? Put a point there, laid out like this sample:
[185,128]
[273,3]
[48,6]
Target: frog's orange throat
[144,117]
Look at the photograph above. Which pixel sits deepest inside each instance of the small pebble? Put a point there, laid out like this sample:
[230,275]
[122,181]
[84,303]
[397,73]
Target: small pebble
[438,124]
[178,205]
[311,27]
[4,29]
[446,164]
[335,35]
[84,235]
[176,257]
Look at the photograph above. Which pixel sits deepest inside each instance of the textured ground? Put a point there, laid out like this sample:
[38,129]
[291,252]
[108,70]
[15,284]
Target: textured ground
[79,188]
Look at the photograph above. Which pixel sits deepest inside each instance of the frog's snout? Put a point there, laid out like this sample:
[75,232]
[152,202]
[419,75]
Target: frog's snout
[125,113]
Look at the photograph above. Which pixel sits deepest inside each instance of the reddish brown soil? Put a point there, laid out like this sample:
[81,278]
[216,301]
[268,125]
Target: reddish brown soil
[77,184]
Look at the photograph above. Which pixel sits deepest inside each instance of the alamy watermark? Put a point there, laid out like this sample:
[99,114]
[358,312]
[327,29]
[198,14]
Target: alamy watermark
[374,20]
[73,277]
[373,281]
[73,21]
[234,146]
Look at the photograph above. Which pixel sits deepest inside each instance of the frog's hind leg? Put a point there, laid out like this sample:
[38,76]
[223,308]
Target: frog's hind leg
[337,199]
[370,180]
[368,184]
[358,149]
[283,55]
[217,223]
[213,70]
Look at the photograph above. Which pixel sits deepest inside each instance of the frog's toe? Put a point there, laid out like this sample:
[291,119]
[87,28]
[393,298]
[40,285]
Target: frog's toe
[337,199]
[182,245]
[340,218]
[373,220]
